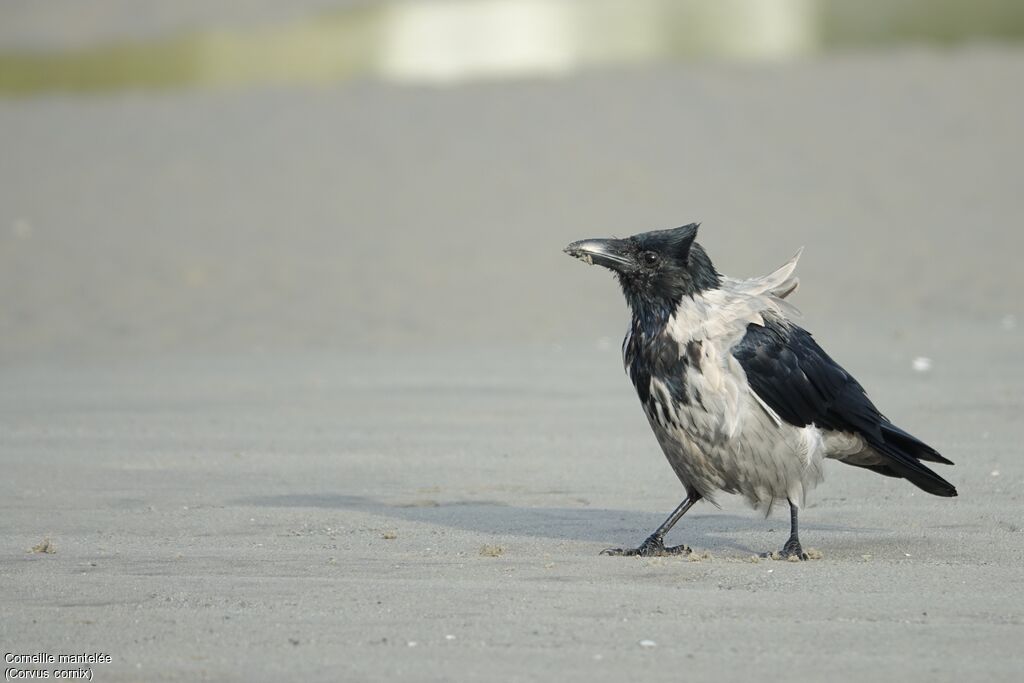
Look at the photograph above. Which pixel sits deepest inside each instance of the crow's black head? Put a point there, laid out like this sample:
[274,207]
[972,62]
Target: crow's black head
[654,268]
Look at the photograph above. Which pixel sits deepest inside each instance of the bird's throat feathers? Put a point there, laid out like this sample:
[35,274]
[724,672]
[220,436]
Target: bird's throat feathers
[653,301]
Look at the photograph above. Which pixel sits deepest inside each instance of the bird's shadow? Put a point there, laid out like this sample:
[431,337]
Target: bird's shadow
[609,527]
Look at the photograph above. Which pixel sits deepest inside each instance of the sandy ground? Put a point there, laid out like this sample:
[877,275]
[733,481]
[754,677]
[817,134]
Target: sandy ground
[299,385]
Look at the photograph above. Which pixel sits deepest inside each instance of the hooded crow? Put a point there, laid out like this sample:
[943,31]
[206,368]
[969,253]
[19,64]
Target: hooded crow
[740,398]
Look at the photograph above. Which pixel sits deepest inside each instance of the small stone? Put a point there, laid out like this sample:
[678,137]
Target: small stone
[492,551]
[921,364]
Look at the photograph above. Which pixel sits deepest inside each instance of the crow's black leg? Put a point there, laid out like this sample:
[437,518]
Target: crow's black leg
[792,547]
[655,543]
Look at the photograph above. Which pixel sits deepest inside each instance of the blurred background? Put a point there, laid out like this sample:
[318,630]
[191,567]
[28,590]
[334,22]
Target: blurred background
[221,176]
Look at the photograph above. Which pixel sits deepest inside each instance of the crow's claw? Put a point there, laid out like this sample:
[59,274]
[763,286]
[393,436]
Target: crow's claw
[789,551]
[654,546]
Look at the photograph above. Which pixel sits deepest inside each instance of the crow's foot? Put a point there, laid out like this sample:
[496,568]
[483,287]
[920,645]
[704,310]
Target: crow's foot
[790,551]
[654,546]
[793,549]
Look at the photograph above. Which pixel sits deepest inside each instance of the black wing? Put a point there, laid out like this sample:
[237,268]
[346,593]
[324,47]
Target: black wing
[803,385]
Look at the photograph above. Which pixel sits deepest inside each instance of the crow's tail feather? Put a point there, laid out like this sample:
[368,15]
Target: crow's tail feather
[912,445]
[903,454]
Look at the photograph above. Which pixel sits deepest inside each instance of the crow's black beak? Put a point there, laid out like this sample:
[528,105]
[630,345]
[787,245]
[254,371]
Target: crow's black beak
[610,253]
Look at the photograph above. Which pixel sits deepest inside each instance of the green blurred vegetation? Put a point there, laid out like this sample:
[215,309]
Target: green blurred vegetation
[460,40]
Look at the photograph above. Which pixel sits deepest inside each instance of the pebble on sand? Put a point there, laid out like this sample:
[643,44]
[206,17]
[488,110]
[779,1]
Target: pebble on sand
[46,547]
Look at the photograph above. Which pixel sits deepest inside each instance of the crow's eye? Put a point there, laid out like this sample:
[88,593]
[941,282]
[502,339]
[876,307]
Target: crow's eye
[648,258]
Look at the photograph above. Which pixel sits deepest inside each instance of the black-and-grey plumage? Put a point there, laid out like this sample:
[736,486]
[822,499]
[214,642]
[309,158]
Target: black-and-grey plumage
[740,398]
